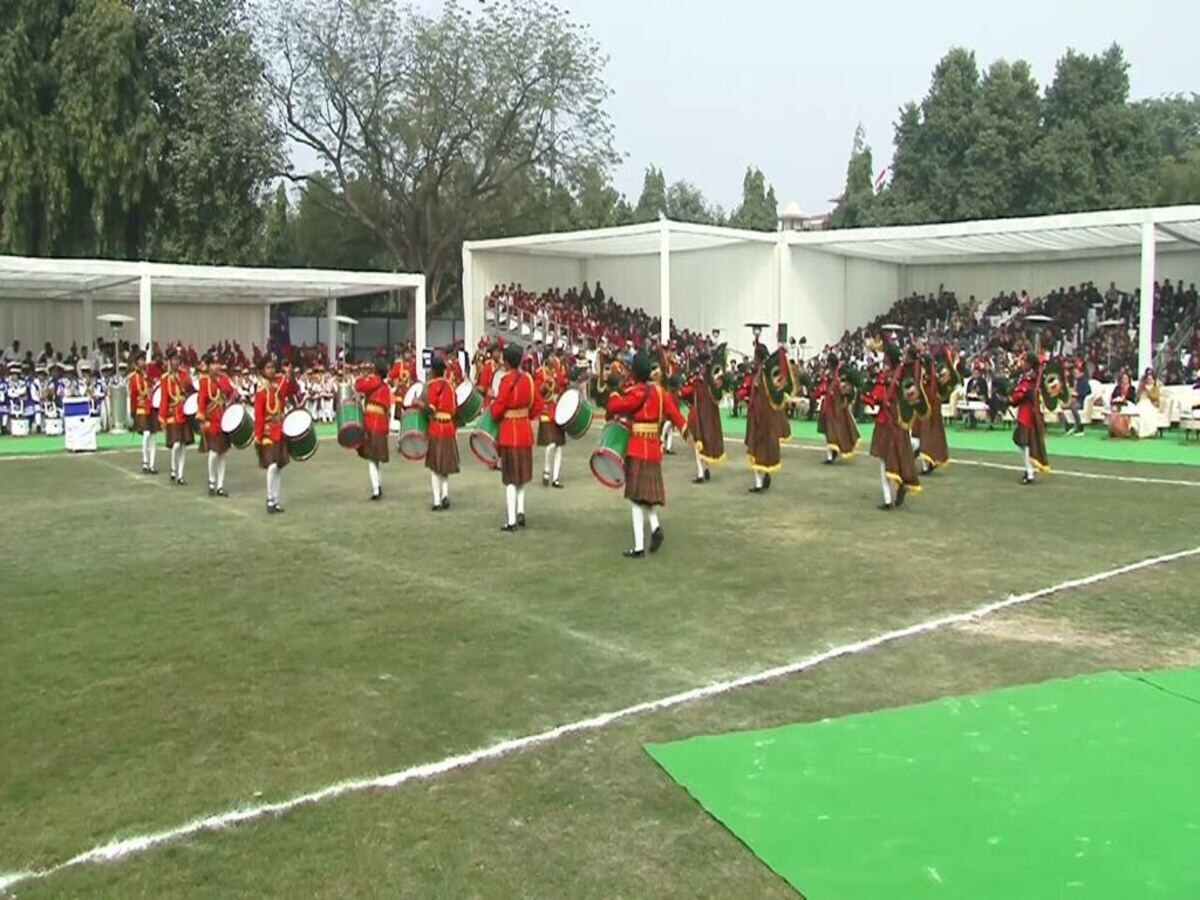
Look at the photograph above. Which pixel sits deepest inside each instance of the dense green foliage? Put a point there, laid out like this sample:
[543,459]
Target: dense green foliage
[985,145]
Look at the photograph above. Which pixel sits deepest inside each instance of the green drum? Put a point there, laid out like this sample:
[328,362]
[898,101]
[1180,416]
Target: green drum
[470,403]
[300,435]
[350,431]
[573,413]
[608,459]
[484,440]
[237,423]
[414,434]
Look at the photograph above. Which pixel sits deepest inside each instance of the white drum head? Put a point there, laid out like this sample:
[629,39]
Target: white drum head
[156,397]
[496,379]
[191,405]
[233,417]
[463,391]
[414,393]
[296,423]
[567,406]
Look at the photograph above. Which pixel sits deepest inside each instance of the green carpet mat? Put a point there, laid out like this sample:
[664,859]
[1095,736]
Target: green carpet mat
[1169,449]
[1086,787]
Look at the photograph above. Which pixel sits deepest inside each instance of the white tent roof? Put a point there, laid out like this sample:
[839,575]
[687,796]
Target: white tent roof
[1076,235]
[623,240]
[28,278]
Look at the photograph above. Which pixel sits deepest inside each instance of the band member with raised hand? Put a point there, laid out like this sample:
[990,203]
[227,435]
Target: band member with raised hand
[442,457]
[144,418]
[769,386]
[550,381]
[515,402]
[377,404]
[891,444]
[216,392]
[703,391]
[648,404]
[269,408]
[1030,431]
[836,422]
[399,377]
[176,385]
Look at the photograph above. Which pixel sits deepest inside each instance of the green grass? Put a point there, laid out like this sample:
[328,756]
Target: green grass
[165,655]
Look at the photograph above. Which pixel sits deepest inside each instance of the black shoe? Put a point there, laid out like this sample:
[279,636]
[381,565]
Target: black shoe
[180,482]
[886,507]
[437,507]
[766,481]
[212,491]
[521,519]
[445,503]
[271,509]
[508,528]
[152,471]
[172,478]
[756,490]
[545,479]
[278,508]
[707,474]
[221,492]
[145,470]
[377,495]
[699,479]
[656,539]
[901,493]
[633,554]
[557,484]
[1025,479]
[830,460]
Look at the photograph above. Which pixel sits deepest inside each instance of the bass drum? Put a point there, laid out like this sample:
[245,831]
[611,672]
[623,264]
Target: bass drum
[469,402]
[237,424]
[350,431]
[300,434]
[573,413]
[414,434]
[484,440]
[414,396]
[608,459]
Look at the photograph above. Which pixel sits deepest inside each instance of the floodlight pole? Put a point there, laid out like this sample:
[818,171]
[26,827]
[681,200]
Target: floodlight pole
[331,329]
[1146,310]
[664,281]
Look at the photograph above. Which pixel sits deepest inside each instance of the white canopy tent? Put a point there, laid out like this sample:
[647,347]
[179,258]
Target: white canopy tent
[823,283]
[58,299]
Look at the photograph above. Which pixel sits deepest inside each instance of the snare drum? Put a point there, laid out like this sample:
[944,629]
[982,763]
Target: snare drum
[350,431]
[414,433]
[300,434]
[191,406]
[53,426]
[608,459]
[469,401]
[156,401]
[414,396]
[18,427]
[573,413]
[237,424]
[484,440]
[496,379]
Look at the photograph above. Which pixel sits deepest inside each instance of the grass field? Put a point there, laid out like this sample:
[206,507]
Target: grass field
[164,656]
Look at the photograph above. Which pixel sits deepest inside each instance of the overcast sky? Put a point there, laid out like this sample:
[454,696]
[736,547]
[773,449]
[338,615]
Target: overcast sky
[704,88]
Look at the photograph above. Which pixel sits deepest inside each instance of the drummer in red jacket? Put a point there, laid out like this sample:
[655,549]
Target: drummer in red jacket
[648,404]
[176,385]
[377,404]
[550,381]
[1030,431]
[442,457]
[145,420]
[515,402]
[269,410]
[216,392]
[399,377]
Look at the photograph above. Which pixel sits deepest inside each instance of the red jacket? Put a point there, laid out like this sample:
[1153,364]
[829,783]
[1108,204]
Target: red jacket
[883,397]
[215,395]
[269,410]
[442,404]
[141,391]
[377,400]
[743,392]
[513,406]
[486,373]
[550,382]
[175,389]
[648,404]
[1025,397]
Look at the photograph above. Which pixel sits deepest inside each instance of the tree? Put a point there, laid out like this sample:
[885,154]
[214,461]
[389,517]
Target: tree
[854,204]
[686,203]
[1175,121]
[759,210]
[220,147]
[1179,180]
[78,135]
[278,240]
[996,179]
[444,116]
[653,200]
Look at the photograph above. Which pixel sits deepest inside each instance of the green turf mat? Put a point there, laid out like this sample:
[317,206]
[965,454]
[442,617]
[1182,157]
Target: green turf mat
[1184,683]
[1084,787]
[1095,444]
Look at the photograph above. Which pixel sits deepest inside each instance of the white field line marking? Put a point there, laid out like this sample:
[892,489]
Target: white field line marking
[1098,476]
[120,849]
[142,479]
